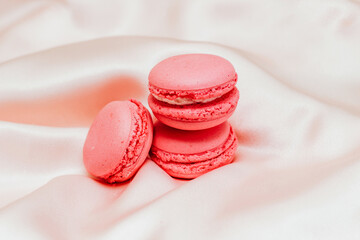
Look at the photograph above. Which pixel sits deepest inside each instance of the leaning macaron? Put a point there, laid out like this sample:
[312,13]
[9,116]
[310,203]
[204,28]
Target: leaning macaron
[193,91]
[189,154]
[118,141]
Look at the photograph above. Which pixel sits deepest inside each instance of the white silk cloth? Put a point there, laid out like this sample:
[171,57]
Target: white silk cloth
[296,173]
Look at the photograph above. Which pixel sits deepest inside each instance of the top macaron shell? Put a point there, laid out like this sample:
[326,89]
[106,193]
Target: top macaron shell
[189,142]
[118,141]
[191,72]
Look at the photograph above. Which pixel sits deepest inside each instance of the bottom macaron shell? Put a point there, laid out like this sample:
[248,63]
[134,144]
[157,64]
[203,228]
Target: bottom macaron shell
[195,169]
[129,171]
[191,125]
[195,116]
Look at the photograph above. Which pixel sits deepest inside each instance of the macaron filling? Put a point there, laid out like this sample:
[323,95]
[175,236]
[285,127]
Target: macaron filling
[189,166]
[136,144]
[184,101]
[197,112]
[186,97]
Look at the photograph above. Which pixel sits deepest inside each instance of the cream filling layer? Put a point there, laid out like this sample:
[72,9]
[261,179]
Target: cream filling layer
[184,101]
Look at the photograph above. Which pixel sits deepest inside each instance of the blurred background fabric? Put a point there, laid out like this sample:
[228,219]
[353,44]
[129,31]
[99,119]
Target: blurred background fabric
[296,174]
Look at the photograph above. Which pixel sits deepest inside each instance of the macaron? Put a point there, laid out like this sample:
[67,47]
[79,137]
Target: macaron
[118,141]
[189,154]
[193,91]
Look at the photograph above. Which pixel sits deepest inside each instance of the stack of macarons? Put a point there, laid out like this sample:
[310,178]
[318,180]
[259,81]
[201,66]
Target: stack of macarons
[192,96]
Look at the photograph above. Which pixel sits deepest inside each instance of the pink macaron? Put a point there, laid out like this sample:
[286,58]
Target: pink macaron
[118,141]
[189,154]
[193,91]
